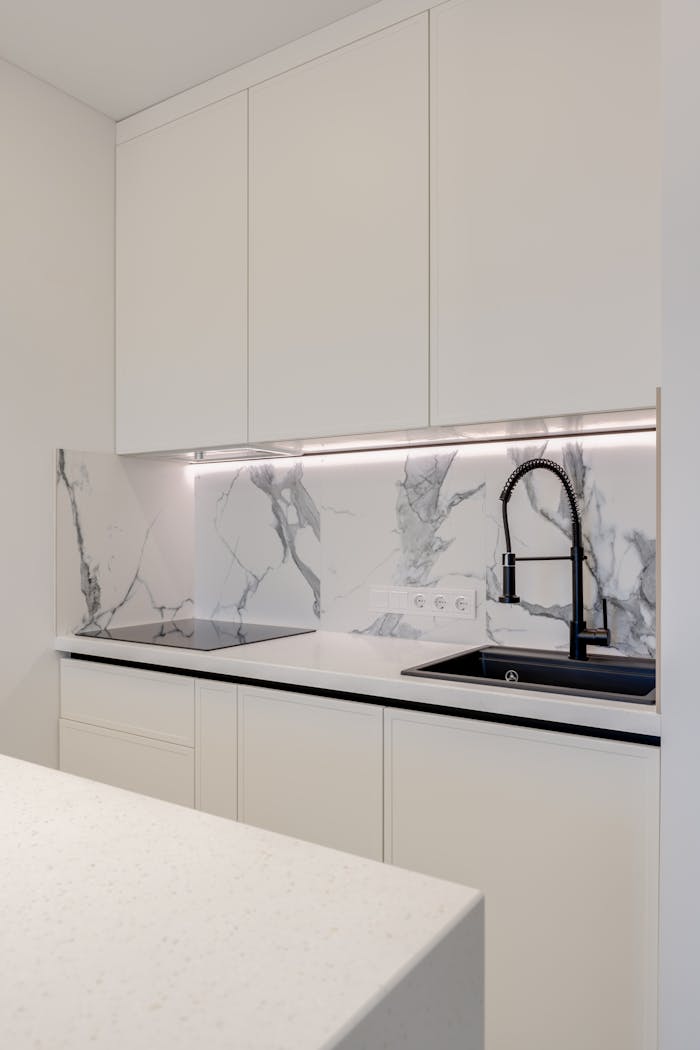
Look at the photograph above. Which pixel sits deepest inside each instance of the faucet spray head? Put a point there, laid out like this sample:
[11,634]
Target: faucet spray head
[509,597]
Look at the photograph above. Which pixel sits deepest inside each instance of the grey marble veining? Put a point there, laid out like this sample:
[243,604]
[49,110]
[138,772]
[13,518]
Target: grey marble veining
[258,533]
[431,518]
[89,581]
[424,504]
[303,542]
[293,510]
[124,540]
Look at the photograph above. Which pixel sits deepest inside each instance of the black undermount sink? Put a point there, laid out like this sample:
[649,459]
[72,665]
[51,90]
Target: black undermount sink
[631,679]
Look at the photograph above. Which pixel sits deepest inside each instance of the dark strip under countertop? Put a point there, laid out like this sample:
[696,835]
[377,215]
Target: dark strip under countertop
[367,667]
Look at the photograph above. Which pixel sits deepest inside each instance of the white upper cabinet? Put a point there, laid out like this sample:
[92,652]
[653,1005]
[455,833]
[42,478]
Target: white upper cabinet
[444,227]
[545,207]
[339,241]
[182,283]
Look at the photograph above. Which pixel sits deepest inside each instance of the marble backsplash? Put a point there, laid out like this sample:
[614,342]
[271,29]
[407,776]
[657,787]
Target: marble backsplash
[124,541]
[303,541]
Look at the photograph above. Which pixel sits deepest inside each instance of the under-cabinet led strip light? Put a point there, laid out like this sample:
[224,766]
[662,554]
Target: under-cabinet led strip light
[641,434]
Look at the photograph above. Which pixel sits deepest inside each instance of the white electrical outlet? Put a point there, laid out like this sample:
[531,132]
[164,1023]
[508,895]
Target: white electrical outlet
[439,601]
[464,604]
[424,601]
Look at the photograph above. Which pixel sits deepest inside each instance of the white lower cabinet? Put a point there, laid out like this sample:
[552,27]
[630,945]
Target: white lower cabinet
[128,727]
[312,768]
[216,720]
[137,763]
[561,834]
[129,699]
[559,831]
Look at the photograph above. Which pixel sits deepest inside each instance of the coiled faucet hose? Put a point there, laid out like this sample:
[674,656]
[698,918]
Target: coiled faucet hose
[545,464]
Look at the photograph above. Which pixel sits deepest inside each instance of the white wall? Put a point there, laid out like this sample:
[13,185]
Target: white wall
[57,355]
[680,502]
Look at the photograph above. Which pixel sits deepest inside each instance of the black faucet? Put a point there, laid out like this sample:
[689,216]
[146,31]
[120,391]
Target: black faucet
[579,635]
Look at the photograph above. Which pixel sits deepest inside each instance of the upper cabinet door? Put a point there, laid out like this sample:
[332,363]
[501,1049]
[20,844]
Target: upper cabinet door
[545,207]
[182,283]
[339,241]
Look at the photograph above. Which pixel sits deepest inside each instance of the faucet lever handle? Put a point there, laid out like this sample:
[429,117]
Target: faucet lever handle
[597,635]
[600,635]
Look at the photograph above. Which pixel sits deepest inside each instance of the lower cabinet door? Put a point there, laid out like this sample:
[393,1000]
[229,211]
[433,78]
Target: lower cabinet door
[312,768]
[151,767]
[216,721]
[561,834]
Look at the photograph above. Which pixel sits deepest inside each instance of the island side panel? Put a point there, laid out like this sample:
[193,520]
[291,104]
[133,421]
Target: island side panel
[438,1003]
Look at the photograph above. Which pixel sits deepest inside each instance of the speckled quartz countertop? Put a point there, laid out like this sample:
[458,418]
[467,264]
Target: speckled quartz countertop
[372,667]
[127,922]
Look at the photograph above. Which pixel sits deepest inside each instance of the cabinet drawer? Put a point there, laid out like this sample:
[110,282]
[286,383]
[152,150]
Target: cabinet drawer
[136,763]
[130,700]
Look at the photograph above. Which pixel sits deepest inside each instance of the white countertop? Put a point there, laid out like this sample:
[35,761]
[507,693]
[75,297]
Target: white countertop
[127,922]
[372,666]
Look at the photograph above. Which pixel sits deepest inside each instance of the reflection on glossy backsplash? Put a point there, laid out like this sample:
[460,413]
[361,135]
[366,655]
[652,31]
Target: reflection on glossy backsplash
[301,542]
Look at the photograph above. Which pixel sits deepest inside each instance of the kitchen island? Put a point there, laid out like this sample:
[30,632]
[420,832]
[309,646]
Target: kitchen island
[128,921]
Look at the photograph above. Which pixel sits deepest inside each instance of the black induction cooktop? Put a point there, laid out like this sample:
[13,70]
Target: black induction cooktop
[196,634]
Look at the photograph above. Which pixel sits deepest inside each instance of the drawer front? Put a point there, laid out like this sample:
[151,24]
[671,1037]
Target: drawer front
[129,700]
[136,763]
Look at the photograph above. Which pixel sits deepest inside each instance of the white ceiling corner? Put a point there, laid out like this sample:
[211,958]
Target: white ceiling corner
[121,56]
